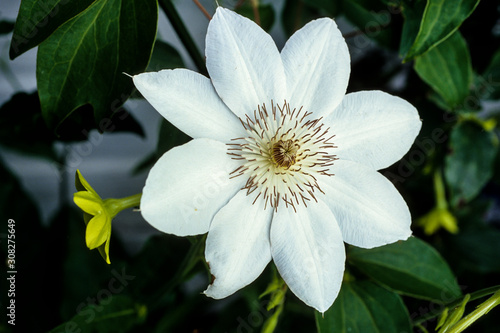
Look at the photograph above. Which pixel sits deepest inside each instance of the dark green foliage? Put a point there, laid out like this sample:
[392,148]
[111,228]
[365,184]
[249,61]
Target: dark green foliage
[363,306]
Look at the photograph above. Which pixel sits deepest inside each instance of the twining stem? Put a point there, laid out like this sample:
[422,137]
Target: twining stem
[481,310]
[202,9]
[184,36]
[473,296]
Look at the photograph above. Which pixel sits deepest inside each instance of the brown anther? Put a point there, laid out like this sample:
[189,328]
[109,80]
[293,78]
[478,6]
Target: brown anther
[284,153]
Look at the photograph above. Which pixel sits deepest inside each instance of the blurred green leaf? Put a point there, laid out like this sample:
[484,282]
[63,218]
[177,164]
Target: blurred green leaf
[164,57]
[82,62]
[78,124]
[169,137]
[115,314]
[161,253]
[330,7]
[296,13]
[22,127]
[6,27]
[496,168]
[38,257]
[266,14]
[363,306]
[447,69]
[411,267]
[38,19]
[488,84]
[477,250]
[85,273]
[440,20]
[145,164]
[371,17]
[469,165]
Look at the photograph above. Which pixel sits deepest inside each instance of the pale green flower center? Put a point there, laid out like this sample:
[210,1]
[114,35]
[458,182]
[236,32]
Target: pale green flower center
[282,155]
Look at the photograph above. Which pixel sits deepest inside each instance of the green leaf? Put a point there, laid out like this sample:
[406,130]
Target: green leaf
[411,267]
[439,21]
[412,12]
[447,69]
[82,63]
[469,165]
[266,14]
[114,313]
[38,19]
[363,306]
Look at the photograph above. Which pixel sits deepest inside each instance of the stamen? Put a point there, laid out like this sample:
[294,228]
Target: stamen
[282,155]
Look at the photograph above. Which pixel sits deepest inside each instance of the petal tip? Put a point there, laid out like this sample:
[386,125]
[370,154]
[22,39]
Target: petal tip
[209,292]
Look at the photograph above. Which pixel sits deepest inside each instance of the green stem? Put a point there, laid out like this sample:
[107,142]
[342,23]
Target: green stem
[422,328]
[131,201]
[473,296]
[181,30]
[114,206]
[439,188]
[483,309]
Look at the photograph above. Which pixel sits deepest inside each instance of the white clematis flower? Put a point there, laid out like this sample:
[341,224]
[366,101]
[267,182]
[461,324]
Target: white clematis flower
[282,165]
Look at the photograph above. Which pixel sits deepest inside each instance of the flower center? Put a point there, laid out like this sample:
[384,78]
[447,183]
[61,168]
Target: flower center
[282,155]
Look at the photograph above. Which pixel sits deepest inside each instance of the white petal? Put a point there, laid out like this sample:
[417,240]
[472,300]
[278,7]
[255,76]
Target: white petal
[189,101]
[309,253]
[243,62]
[373,128]
[317,67]
[238,246]
[187,187]
[367,206]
